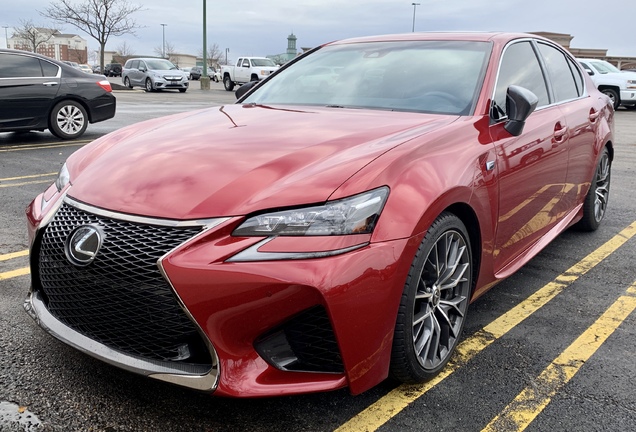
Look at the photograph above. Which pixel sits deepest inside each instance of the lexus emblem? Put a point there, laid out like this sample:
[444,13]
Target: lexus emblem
[83,243]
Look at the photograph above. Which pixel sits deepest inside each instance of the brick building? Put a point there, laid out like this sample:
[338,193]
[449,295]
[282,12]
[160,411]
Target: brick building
[59,46]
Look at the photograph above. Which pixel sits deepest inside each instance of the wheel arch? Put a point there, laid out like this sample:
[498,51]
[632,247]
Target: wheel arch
[469,218]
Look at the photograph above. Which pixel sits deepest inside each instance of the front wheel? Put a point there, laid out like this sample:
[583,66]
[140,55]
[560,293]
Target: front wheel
[613,95]
[68,120]
[597,197]
[434,302]
[148,85]
[227,82]
[182,90]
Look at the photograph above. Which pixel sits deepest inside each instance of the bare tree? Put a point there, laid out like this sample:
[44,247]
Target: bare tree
[100,19]
[32,36]
[170,54]
[78,55]
[215,55]
[279,59]
[124,52]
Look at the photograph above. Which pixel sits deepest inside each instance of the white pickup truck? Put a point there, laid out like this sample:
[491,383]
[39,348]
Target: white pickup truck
[619,85]
[247,69]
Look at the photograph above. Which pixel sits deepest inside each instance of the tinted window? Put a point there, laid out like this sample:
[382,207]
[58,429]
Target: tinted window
[519,66]
[18,66]
[576,73]
[49,69]
[560,74]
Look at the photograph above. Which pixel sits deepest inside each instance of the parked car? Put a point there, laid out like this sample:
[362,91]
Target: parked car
[74,65]
[619,86]
[195,72]
[215,74]
[85,68]
[154,74]
[39,93]
[303,241]
[247,69]
[112,69]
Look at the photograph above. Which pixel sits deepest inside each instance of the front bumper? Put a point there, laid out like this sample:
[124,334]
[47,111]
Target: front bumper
[270,327]
[628,97]
[164,83]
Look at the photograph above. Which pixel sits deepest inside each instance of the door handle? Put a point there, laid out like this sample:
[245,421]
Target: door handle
[50,83]
[560,132]
[594,115]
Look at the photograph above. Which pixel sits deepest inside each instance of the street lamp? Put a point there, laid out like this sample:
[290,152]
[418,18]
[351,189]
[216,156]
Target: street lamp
[163,50]
[6,36]
[226,51]
[415,5]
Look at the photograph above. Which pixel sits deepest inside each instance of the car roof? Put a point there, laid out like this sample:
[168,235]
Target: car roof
[447,36]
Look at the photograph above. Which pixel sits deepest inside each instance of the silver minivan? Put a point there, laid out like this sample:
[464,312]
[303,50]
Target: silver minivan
[154,74]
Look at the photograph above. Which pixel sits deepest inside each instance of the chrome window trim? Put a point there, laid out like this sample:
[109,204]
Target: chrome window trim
[59,69]
[533,43]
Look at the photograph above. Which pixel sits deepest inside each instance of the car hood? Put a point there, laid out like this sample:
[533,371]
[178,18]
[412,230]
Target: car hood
[233,160]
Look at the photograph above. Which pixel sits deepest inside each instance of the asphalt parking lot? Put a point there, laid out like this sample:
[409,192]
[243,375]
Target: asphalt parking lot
[550,348]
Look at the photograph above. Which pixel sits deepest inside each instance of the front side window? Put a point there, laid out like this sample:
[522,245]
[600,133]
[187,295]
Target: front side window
[19,66]
[561,76]
[519,66]
[443,77]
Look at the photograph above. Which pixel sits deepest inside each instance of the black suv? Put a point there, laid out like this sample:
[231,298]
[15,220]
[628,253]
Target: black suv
[195,73]
[112,70]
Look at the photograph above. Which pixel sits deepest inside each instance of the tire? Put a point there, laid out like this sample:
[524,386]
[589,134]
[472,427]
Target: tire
[434,302]
[182,90]
[613,95]
[595,204]
[68,120]
[227,82]
[148,85]
[127,83]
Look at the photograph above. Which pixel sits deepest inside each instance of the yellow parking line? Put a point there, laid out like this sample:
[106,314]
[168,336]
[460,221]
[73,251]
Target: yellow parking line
[27,177]
[378,413]
[26,183]
[23,148]
[14,273]
[12,255]
[518,415]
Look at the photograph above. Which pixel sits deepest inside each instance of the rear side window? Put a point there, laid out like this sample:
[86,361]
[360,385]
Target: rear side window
[49,69]
[19,66]
[519,66]
[560,73]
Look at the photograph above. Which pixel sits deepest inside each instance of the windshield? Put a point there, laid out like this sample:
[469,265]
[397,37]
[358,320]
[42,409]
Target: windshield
[604,67]
[160,65]
[263,62]
[421,76]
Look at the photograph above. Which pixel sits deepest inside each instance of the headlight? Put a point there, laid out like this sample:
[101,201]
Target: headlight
[63,178]
[631,84]
[354,215]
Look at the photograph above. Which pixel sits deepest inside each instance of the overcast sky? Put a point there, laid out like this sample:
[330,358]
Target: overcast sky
[261,27]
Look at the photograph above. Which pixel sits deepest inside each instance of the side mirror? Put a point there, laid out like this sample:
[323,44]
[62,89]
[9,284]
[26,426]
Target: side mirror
[245,88]
[520,102]
[142,69]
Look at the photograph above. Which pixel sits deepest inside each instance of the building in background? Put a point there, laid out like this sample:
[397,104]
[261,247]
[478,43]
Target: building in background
[287,55]
[60,46]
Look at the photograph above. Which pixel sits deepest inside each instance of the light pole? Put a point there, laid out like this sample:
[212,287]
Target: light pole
[6,36]
[226,51]
[415,5]
[163,50]
[204,81]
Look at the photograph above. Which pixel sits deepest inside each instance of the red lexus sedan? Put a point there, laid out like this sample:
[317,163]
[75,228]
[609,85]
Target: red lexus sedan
[331,228]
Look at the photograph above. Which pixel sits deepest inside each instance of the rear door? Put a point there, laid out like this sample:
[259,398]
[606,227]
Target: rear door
[28,87]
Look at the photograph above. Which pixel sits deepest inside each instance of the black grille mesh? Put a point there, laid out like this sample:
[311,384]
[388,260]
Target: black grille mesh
[312,340]
[120,299]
